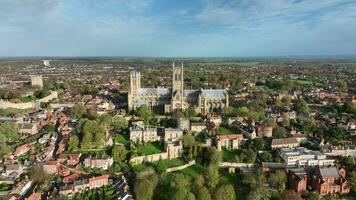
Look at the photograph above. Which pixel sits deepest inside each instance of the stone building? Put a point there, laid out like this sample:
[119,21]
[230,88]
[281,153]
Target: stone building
[229,141]
[175,98]
[36,80]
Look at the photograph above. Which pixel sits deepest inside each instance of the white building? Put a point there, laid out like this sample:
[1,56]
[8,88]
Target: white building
[303,157]
[46,63]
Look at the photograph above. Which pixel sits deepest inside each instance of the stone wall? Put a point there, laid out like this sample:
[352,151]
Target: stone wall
[149,158]
[28,105]
[172,169]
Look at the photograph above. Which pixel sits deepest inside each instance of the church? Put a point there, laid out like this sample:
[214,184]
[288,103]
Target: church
[175,98]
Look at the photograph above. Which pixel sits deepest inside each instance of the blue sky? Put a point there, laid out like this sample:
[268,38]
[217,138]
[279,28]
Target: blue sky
[188,28]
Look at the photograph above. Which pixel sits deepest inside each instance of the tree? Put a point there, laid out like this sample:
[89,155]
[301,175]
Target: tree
[119,123]
[38,175]
[211,175]
[279,132]
[78,111]
[286,101]
[225,192]
[86,140]
[353,181]
[9,130]
[301,106]
[203,194]
[278,180]
[99,137]
[144,112]
[119,153]
[248,155]
[143,189]
[212,156]
[290,195]
[258,144]
[278,103]
[73,142]
[105,121]
[265,157]
[243,111]
[313,196]
[188,140]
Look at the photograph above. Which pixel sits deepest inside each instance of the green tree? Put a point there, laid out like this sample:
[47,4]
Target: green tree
[211,175]
[86,140]
[225,192]
[203,194]
[143,189]
[353,181]
[243,111]
[119,124]
[279,132]
[313,196]
[73,142]
[213,156]
[188,140]
[290,195]
[301,106]
[78,111]
[9,130]
[278,103]
[248,155]
[278,180]
[287,102]
[119,153]
[144,112]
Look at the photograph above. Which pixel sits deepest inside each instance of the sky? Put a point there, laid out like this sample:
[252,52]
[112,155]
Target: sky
[177,28]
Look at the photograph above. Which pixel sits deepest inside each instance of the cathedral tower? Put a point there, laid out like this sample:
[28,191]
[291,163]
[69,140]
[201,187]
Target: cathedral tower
[177,88]
[135,83]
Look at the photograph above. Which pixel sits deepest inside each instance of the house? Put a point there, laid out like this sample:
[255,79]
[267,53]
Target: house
[22,187]
[172,134]
[303,157]
[34,196]
[50,167]
[22,149]
[69,158]
[298,180]
[284,142]
[146,134]
[98,162]
[197,127]
[28,129]
[271,167]
[13,170]
[264,131]
[229,141]
[98,181]
[329,180]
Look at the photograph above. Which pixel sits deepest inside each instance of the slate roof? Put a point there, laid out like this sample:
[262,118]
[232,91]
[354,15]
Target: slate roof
[213,93]
[329,172]
[153,91]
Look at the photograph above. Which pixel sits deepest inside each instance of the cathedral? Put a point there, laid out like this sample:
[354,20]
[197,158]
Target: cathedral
[175,98]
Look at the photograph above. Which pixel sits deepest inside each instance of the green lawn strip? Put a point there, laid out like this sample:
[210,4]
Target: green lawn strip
[123,139]
[302,81]
[193,171]
[159,165]
[5,187]
[228,155]
[150,148]
[10,111]
[226,130]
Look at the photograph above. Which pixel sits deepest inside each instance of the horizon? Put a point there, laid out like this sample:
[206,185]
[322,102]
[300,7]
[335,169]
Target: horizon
[181,29]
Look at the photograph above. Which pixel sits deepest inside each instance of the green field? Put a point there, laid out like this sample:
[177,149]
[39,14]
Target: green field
[120,138]
[149,148]
[226,130]
[302,81]
[192,171]
[228,155]
[11,111]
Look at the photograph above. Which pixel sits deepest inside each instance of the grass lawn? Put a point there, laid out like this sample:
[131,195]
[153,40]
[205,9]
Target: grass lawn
[78,150]
[228,155]
[159,165]
[121,138]
[149,148]
[5,187]
[193,171]
[10,111]
[226,130]
[302,81]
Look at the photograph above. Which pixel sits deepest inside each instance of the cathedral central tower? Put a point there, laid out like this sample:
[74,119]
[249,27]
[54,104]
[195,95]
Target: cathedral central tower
[177,88]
